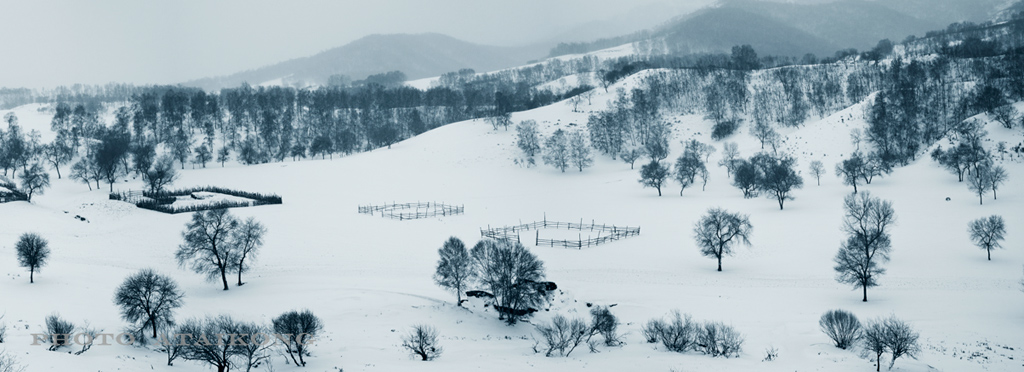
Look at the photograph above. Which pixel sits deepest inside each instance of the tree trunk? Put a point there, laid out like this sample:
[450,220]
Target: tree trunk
[981,200]
[989,253]
[659,191]
[854,186]
[865,286]
[31,275]
[719,263]
[58,172]
[781,200]
[224,277]
[154,327]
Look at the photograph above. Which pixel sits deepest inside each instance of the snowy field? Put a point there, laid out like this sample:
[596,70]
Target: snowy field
[369,279]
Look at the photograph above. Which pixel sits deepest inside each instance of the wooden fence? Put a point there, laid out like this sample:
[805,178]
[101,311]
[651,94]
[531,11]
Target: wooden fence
[605,233]
[412,211]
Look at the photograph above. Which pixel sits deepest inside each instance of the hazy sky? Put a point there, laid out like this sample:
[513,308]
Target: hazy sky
[45,43]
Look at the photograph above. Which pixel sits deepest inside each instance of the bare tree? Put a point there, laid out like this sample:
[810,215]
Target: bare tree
[866,223]
[817,170]
[253,343]
[34,180]
[58,152]
[211,343]
[850,170]
[874,341]
[763,132]
[149,300]
[730,153]
[687,167]
[980,182]
[718,231]
[527,138]
[422,342]
[247,239]
[160,175]
[630,155]
[556,150]
[454,267]
[900,339]
[510,272]
[996,177]
[653,175]
[299,329]
[841,326]
[778,176]
[856,137]
[33,253]
[579,151]
[208,248]
[1005,115]
[986,232]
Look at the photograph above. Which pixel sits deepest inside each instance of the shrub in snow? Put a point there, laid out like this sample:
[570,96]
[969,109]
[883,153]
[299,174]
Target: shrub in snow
[718,339]
[58,331]
[422,342]
[9,364]
[605,323]
[841,326]
[679,334]
[562,335]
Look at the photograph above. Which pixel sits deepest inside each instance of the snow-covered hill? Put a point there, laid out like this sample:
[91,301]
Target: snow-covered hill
[369,278]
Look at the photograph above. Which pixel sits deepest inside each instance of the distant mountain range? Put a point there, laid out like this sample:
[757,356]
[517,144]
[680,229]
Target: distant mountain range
[810,26]
[790,28]
[418,56]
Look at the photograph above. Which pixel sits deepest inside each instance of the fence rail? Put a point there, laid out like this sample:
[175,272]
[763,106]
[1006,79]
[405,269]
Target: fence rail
[418,210]
[612,232]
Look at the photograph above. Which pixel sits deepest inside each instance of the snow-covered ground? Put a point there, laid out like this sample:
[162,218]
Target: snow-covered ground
[369,278]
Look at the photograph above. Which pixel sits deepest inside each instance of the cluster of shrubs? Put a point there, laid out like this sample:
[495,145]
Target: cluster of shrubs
[220,341]
[681,334]
[562,336]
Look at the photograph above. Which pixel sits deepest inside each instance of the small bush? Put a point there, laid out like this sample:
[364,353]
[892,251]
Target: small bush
[8,363]
[58,331]
[724,129]
[605,323]
[841,326]
[717,339]
[563,335]
[652,330]
[677,335]
[770,354]
[422,342]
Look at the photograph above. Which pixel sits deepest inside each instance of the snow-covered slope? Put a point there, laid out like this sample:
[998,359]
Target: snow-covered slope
[370,278]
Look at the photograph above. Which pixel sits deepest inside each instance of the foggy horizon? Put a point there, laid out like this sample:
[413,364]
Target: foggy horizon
[54,43]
